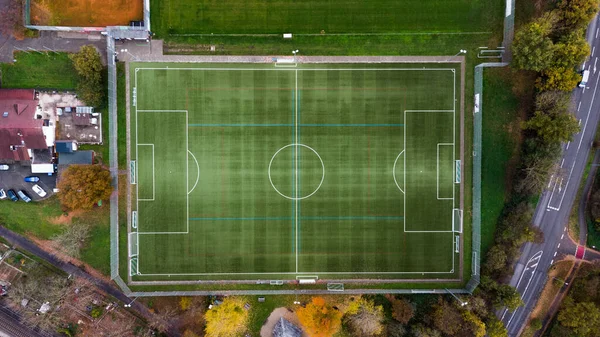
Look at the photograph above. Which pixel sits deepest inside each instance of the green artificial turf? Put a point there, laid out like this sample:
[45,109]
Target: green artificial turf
[253,171]
[39,71]
[316,16]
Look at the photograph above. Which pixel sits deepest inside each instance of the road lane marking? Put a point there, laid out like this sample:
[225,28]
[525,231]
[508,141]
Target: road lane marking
[555,254]
[578,106]
[589,111]
[558,245]
[569,143]
[597,32]
[593,50]
[563,161]
[562,236]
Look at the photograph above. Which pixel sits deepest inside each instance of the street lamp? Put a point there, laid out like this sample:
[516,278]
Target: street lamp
[462,51]
[295,52]
[129,304]
[462,304]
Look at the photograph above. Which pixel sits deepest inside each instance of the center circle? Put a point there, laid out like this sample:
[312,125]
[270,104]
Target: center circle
[296,171]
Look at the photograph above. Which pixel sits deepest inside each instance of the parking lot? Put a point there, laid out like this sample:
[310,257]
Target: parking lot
[13,179]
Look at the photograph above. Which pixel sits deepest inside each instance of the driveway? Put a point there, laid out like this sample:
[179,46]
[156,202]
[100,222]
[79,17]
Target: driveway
[13,179]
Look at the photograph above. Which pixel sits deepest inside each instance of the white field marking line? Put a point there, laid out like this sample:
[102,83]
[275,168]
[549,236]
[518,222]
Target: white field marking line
[565,188]
[535,256]
[453,136]
[296,197]
[198,176]
[394,171]
[303,69]
[187,174]
[153,173]
[296,161]
[438,174]
[312,272]
[588,114]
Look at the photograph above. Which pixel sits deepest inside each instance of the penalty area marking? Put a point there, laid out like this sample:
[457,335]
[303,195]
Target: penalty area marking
[198,175]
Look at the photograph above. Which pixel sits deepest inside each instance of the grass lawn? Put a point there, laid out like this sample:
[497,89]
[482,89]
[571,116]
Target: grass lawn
[39,71]
[256,186]
[501,143]
[315,16]
[121,116]
[31,218]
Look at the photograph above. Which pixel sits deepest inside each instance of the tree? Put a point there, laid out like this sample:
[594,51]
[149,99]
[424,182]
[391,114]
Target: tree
[161,321]
[226,319]
[495,327]
[553,127]
[446,318]
[88,65]
[558,78]
[572,50]
[402,309]
[185,303]
[420,330]
[72,239]
[532,46]
[539,162]
[583,317]
[395,329]
[319,319]
[507,296]
[364,318]
[553,101]
[496,260]
[577,13]
[473,326]
[81,186]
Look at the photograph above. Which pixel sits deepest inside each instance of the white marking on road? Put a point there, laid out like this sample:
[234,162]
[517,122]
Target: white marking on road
[561,163]
[565,229]
[562,236]
[550,182]
[593,50]
[555,253]
[589,111]
[558,245]
[552,262]
[579,121]
[578,106]
[597,32]
[595,60]
[569,143]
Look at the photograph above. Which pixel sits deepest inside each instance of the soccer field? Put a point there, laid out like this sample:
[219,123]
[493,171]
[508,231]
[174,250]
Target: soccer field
[173,17]
[334,171]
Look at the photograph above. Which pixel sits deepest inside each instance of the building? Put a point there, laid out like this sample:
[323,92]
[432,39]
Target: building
[23,131]
[283,328]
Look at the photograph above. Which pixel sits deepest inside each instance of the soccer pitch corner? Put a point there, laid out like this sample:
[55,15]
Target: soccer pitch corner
[338,172]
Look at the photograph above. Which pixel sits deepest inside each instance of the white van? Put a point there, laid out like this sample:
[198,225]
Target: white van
[584,78]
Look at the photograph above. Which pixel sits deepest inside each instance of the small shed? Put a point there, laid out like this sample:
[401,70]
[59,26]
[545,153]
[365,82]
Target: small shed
[284,328]
[65,146]
[79,157]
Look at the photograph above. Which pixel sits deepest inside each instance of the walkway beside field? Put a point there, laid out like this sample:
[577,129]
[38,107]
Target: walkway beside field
[51,41]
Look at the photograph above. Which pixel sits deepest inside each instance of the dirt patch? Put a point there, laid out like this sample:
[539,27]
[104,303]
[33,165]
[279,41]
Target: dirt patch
[86,13]
[66,218]
[267,329]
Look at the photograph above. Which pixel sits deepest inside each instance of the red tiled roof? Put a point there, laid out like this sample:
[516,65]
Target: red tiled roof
[10,94]
[19,129]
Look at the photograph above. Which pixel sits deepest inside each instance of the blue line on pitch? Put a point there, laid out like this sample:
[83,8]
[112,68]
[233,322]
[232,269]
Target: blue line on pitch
[352,125]
[243,219]
[301,218]
[242,125]
[291,125]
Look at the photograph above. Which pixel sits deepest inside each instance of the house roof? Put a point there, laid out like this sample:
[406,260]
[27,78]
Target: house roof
[19,130]
[283,328]
[65,146]
[78,157]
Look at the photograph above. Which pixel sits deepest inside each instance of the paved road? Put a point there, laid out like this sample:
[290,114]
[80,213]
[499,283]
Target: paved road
[555,205]
[19,241]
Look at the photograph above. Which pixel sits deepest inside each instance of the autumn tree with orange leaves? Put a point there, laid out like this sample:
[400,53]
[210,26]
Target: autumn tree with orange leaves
[319,319]
[81,186]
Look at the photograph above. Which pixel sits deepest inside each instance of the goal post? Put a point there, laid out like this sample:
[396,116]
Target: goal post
[457,220]
[133,244]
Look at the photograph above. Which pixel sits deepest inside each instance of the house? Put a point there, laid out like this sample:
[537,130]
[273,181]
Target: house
[22,129]
[283,328]
[65,146]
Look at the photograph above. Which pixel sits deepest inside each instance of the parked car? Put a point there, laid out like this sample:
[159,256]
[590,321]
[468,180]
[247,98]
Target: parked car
[40,191]
[24,196]
[4,167]
[31,179]
[2,194]
[12,195]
